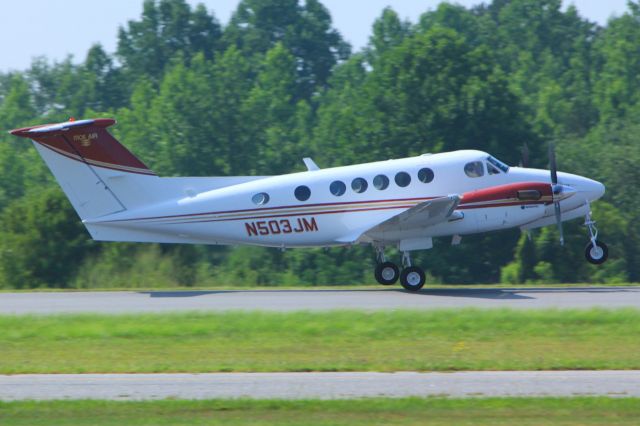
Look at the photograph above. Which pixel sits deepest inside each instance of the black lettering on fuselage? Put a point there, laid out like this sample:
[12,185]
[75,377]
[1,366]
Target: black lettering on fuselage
[310,226]
[282,226]
[251,228]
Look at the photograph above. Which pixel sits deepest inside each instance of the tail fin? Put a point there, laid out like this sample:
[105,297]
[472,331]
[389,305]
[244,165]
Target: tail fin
[90,164]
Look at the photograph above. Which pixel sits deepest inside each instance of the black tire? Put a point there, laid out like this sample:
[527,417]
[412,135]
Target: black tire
[412,278]
[387,273]
[596,257]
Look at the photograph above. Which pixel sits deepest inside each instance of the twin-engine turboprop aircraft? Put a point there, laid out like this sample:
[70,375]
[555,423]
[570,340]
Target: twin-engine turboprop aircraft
[403,203]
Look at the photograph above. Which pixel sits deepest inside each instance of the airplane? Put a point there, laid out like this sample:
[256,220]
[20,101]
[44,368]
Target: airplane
[402,203]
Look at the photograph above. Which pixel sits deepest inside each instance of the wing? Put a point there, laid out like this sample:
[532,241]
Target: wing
[422,215]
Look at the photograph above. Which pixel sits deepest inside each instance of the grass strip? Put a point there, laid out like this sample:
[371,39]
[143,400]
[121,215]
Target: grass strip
[410,411]
[441,340]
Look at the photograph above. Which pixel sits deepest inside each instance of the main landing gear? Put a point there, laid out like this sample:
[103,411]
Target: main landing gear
[596,251]
[412,278]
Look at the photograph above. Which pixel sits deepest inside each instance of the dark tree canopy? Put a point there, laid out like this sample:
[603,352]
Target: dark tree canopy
[166,28]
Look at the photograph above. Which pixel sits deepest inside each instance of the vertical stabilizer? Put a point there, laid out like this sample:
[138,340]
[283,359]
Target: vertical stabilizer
[90,164]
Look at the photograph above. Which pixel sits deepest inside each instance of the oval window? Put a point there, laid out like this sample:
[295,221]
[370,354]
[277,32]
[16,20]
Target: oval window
[359,185]
[338,188]
[425,175]
[403,179]
[302,193]
[260,199]
[381,182]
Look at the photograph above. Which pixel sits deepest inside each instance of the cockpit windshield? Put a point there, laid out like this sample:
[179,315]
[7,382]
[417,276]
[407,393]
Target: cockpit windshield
[496,165]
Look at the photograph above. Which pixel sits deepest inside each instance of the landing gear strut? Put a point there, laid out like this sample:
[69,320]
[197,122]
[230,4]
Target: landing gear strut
[596,251]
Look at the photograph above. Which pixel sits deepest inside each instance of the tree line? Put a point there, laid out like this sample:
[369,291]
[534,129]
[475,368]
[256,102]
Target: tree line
[278,83]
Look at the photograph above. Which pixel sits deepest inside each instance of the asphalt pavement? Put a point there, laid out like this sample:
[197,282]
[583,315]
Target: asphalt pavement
[319,385]
[317,300]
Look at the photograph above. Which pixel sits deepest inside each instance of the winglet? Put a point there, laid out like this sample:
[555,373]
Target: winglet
[311,165]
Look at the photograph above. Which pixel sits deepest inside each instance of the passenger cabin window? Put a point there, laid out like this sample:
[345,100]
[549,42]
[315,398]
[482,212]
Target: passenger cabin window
[302,193]
[381,182]
[425,175]
[260,199]
[403,179]
[338,188]
[474,169]
[359,185]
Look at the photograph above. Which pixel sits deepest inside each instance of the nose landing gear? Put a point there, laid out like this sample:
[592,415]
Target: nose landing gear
[596,251]
[412,278]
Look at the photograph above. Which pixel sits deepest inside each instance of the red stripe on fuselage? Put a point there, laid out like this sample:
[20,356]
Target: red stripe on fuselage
[269,209]
[505,192]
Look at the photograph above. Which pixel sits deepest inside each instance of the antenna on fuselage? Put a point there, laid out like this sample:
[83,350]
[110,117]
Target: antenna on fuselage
[311,165]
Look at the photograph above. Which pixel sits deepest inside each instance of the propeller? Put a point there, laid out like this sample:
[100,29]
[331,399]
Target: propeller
[553,167]
[524,151]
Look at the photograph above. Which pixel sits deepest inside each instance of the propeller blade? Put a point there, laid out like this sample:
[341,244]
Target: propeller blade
[559,221]
[553,167]
[552,164]
[525,155]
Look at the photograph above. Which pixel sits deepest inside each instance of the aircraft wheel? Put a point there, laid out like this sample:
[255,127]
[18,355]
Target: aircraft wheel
[387,273]
[596,254]
[412,278]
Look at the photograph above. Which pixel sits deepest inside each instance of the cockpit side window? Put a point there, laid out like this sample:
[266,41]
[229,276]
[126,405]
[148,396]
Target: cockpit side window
[493,170]
[474,169]
[493,161]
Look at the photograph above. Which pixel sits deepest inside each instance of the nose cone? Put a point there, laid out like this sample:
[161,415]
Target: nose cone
[587,190]
[597,190]
[591,189]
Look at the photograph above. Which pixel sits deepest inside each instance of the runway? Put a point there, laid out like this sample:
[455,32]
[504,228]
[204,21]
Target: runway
[319,385]
[317,300]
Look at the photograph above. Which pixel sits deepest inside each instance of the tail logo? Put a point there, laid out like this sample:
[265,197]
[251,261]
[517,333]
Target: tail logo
[85,138]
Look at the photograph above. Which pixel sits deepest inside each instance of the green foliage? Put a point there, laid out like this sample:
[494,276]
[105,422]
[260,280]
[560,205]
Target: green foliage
[42,242]
[279,83]
[303,28]
[166,28]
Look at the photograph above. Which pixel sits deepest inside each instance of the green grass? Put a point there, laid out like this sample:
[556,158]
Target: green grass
[467,339]
[412,411]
